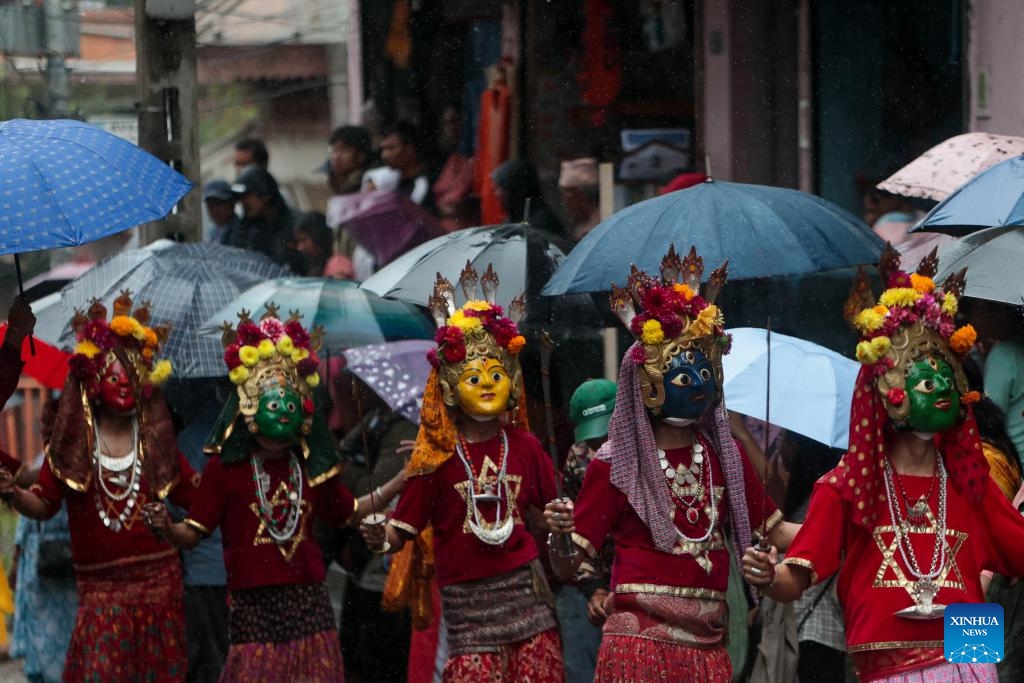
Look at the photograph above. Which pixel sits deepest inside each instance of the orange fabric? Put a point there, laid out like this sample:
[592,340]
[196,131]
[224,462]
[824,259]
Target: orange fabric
[492,148]
[1002,471]
[399,43]
[435,442]
[410,581]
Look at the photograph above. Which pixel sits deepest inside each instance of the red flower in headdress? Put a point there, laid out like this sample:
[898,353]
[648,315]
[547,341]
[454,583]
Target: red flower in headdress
[298,334]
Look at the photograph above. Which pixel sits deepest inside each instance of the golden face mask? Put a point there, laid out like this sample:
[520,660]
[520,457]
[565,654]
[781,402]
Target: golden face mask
[484,388]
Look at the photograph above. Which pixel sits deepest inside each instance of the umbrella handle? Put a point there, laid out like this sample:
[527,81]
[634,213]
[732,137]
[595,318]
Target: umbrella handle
[21,293]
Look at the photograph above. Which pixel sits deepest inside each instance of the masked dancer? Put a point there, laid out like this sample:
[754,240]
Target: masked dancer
[473,480]
[670,485]
[273,468]
[910,506]
[112,450]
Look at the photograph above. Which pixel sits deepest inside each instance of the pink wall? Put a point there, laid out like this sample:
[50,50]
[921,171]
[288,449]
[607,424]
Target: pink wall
[996,66]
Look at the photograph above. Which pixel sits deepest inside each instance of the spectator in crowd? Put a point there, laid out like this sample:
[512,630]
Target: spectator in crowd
[1004,384]
[267,222]
[250,152]
[220,206]
[580,197]
[517,186]
[399,150]
[313,239]
[350,155]
[453,191]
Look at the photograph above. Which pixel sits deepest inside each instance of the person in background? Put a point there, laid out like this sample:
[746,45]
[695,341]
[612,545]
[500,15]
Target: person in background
[578,184]
[45,600]
[399,150]
[453,191]
[220,206]
[1004,384]
[20,324]
[350,153]
[267,222]
[517,186]
[313,239]
[250,153]
[590,408]
[197,403]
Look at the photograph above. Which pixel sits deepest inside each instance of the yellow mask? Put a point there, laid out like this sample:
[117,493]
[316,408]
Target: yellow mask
[484,389]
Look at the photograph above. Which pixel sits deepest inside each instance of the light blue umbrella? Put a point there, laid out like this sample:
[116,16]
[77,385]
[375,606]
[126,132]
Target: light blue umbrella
[66,183]
[762,231]
[349,315]
[990,199]
[396,371]
[811,386]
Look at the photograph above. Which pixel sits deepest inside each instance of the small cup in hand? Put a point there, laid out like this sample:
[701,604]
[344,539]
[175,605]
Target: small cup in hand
[374,532]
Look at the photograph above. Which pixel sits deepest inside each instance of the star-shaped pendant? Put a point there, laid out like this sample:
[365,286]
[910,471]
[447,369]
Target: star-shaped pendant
[289,546]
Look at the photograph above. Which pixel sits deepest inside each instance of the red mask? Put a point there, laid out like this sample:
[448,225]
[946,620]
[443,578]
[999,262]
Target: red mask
[116,390]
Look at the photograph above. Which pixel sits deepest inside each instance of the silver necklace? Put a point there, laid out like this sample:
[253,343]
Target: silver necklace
[294,502]
[925,588]
[500,531]
[130,486]
[673,476]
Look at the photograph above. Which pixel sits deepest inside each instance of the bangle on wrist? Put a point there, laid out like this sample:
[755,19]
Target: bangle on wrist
[380,494]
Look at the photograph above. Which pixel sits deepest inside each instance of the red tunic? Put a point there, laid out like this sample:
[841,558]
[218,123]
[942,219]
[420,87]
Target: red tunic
[639,567]
[93,545]
[227,498]
[872,587]
[440,499]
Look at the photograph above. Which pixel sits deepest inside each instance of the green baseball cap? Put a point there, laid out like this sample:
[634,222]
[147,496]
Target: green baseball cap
[591,407]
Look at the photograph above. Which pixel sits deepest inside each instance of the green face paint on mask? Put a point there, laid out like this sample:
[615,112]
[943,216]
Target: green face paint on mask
[278,415]
[934,399]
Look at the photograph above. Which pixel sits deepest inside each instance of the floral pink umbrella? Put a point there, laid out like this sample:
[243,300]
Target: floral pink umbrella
[948,165]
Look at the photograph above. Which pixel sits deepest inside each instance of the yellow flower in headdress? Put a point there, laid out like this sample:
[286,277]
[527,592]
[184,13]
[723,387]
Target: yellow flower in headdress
[313,380]
[869,320]
[265,349]
[652,332]
[285,346]
[868,352]
[299,355]
[122,325]
[963,339]
[161,371]
[922,283]
[87,349]
[139,331]
[683,290]
[898,296]
[249,355]
[705,320]
[477,305]
[949,304]
[239,374]
[464,322]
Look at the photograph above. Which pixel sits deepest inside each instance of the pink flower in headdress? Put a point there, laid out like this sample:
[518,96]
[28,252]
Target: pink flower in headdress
[671,325]
[249,334]
[299,335]
[899,279]
[637,354]
[432,358]
[231,358]
[454,353]
[99,334]
[272,328]
[503,330]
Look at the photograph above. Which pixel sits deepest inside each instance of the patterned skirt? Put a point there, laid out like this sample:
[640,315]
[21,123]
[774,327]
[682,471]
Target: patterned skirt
[130,624]
[651,637]
[283,633]
[947,673]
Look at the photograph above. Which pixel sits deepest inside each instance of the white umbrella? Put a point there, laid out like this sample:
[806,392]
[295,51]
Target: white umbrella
[811,386]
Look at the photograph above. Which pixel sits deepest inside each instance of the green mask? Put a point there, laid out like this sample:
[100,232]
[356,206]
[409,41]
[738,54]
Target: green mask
[278,415]
[934,399]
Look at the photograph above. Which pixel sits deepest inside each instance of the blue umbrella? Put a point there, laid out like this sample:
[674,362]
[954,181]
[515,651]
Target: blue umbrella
[990,199]
[65,183]
[762,231]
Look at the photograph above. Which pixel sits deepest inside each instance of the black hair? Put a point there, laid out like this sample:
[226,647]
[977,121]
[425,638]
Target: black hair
[260,156]
[991,418]
[314,224]
[356,137]
[405,131]
[811,461]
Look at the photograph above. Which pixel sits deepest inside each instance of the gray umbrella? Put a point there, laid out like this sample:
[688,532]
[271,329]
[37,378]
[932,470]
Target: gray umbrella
[184,284]
[992,258]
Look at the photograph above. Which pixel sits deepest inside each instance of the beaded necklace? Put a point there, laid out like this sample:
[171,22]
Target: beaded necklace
[116,465]
[500,531]
[696,475]
[283,526]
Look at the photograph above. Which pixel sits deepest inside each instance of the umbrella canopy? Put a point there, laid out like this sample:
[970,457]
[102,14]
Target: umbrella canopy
[385,223]
[811,386]
[395,371]
[937,173]
[48,365]
[992,258]
[523,257]
[184,284]
[350,316]
[762,231]
[993,198]
[65,183]
[55,279]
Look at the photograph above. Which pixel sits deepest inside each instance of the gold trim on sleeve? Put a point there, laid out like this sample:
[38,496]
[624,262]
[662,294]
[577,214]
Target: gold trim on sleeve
[674,591]
[583,543]
[806,564]
[402,526]
[773,521]
[197,526]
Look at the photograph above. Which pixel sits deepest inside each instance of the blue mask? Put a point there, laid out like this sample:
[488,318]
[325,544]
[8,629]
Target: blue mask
[690,385]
